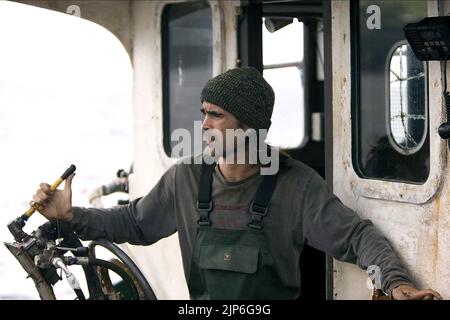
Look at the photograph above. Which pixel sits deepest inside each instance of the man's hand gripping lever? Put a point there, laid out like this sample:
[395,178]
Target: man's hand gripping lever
[49,201]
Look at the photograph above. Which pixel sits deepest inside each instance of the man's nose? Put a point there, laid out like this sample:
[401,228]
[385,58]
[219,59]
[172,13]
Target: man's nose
[206,123]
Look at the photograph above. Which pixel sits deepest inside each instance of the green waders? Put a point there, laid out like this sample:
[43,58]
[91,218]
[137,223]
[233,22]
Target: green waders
[234,264]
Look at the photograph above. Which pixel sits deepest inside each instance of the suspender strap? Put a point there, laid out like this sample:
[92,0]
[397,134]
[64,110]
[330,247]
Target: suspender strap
[204,202]
[259,207]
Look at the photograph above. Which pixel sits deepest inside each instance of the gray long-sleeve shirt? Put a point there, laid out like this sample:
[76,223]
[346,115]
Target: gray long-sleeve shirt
[303,210]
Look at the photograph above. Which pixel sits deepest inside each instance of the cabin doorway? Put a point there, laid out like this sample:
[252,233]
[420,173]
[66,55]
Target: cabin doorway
[284,40]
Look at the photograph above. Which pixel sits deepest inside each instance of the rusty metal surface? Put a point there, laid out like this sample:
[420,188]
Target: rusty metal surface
[44,289]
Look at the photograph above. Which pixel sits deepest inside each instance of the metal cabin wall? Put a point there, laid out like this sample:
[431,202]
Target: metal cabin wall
[162,262]
[413,217]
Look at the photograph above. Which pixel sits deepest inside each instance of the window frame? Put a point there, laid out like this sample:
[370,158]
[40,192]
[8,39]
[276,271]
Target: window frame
[218,38]
[355,96]
[371,188]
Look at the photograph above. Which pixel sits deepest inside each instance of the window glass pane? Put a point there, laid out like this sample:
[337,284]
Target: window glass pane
[389,95]
[283,45]
[407,100]
[288,126]
[283,69]
[187,60]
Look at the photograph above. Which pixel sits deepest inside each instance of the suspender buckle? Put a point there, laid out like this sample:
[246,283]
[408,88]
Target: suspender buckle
[204,206]
[256,226]
[258,210]
[204,223]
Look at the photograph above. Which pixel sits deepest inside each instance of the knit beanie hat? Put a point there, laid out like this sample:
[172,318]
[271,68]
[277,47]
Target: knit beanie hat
[244,93]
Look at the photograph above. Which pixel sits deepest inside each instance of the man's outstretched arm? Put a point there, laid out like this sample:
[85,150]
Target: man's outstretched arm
[330,226]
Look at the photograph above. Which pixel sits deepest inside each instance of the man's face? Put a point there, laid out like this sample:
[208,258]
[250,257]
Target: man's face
[214,117]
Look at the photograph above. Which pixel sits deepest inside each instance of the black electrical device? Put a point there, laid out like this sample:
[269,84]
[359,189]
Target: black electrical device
[430,38]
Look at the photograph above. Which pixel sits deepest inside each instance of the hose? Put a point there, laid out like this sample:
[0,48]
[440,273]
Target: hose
[59,263]
[94,286]
[142,281]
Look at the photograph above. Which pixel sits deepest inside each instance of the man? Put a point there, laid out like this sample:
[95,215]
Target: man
[241,233]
